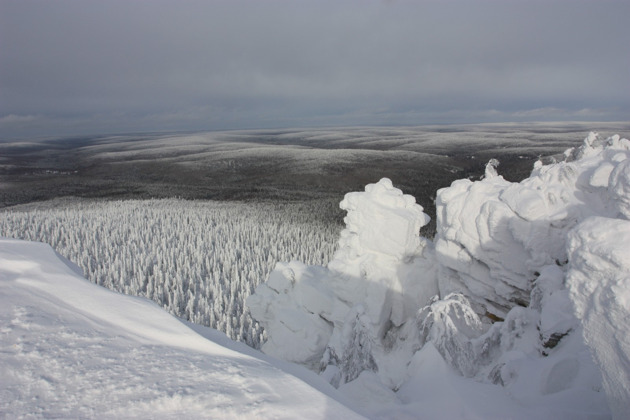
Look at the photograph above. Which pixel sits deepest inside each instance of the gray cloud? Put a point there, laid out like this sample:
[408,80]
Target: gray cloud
[169,65]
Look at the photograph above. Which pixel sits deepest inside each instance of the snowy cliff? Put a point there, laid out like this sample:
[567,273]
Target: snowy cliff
[521,285]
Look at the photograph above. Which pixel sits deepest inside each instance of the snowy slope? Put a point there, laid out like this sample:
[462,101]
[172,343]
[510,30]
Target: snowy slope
[71,349]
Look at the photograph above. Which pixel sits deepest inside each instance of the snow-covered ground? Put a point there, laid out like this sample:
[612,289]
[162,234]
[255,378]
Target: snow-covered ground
[72,349]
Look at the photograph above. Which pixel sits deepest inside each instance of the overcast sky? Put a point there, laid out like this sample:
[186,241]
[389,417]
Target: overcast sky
[87,66]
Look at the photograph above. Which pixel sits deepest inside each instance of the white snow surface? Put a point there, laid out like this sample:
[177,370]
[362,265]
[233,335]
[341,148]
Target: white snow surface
[71,349]
[599,284]
[498,317]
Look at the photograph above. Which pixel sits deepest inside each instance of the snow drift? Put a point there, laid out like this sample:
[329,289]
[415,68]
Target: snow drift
[518,281]
[598,280]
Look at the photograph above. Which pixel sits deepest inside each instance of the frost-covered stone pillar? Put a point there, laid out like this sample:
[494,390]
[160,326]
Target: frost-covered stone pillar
[376,280]
[382,231]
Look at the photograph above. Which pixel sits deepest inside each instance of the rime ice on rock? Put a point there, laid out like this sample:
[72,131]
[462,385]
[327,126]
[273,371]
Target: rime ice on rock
[377,279]
[293,306]
[380,221]
[494,237]
[382,235]
[501,254]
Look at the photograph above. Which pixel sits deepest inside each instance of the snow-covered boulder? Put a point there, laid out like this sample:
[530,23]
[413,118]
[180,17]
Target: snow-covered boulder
[294,306]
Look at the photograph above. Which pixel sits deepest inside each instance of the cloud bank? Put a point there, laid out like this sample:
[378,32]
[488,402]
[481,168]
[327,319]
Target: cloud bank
[89,66]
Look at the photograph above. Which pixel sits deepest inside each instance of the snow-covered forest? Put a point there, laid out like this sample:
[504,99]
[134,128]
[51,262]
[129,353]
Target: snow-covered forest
[198,259]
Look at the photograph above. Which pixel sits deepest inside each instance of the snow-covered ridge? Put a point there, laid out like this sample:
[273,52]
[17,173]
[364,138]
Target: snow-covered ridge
[71,349]
[492,295]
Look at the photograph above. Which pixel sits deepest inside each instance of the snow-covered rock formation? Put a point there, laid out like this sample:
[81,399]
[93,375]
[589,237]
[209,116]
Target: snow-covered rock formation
[492,295]
[339,315]
[495,237]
